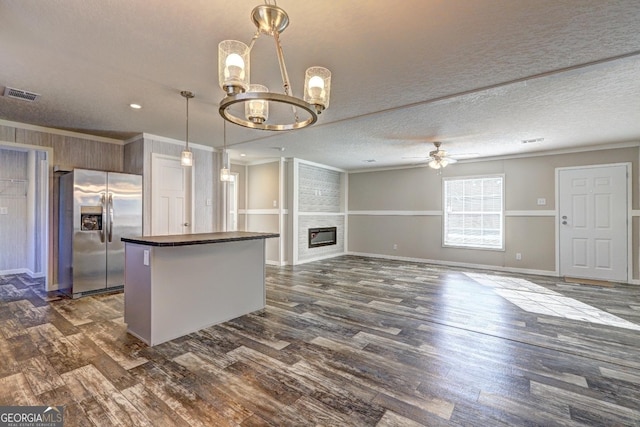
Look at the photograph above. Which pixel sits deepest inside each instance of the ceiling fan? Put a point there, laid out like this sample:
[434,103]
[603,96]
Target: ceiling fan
[438,158]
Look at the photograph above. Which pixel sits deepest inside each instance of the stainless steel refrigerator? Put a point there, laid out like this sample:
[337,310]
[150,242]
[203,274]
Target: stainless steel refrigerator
[96,210]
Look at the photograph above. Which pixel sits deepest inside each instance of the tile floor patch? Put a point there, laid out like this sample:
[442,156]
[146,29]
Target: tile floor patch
[540,300]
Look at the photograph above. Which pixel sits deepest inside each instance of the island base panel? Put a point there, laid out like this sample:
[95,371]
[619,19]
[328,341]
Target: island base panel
[193,287]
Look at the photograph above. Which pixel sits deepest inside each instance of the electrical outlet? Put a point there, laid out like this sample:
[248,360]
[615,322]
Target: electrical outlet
[395,246]
[518,256]
[275,203]
[4,211]
[209,202]
[542,201]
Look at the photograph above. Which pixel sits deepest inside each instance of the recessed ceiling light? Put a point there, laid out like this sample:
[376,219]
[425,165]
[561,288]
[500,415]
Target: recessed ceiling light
[135,106]
[369,161]
[242,155]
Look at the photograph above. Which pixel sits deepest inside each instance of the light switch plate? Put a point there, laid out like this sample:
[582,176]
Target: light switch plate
[146,257]
[4,211]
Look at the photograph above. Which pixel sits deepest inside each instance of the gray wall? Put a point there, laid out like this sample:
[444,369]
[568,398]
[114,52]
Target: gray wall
[84,152]
[415,194]
[69,152]
[206,180]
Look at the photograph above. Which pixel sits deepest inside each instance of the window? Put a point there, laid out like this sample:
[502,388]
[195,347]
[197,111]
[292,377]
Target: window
[474,212]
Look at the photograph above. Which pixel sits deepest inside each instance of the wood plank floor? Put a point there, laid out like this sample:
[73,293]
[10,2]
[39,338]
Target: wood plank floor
[349,341]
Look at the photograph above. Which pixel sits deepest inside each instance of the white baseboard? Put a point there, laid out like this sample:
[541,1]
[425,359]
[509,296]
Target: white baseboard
[459,264]
[320,258]
[35,275]
[26,271]
[14,271]
[276,263]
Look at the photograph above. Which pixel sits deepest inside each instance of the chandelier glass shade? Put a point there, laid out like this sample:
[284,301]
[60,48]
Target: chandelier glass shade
[234,79]
[257,111]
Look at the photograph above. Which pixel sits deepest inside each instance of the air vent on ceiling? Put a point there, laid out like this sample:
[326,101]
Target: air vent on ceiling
[531,141]
[10,92]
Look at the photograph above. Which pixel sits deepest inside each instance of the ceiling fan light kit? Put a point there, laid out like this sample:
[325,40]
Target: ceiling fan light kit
[234,72]
[439,157]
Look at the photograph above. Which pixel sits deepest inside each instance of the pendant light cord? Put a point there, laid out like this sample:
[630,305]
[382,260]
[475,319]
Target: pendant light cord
[224,141]
[187,145]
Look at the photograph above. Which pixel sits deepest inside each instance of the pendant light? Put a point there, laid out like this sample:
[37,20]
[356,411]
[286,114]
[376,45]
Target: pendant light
[186,157]
[225,172]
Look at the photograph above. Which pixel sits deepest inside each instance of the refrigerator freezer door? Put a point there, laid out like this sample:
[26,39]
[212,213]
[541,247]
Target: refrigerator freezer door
[89,248]
[124,219]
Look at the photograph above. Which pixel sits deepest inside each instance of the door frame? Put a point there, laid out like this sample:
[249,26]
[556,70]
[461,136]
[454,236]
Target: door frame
[190,197]
[50,283]
[628,166]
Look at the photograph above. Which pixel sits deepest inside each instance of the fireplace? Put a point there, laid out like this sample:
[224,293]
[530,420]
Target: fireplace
[322,236]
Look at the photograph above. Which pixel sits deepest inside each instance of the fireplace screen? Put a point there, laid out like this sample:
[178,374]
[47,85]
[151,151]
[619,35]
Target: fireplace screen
[322,236]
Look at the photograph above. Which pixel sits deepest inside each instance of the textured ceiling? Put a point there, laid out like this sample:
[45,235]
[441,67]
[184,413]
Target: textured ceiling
[480,76]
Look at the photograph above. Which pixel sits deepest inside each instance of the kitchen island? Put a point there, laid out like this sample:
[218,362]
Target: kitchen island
[178,284]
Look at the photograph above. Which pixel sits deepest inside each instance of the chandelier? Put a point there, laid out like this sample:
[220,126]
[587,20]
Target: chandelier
[233,75]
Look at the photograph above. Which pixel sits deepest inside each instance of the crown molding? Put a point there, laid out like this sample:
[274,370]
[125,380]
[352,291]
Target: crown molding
[599,147]
[177,142]
[61,132]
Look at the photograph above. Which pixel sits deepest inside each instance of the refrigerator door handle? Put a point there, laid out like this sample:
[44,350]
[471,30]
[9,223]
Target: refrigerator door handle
[110,216]
[104,214]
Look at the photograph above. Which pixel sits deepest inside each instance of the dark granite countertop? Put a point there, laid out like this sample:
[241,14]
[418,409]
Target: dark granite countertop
[198,239]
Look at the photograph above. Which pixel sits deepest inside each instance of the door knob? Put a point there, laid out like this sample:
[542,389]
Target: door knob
[564,217]
[186,224]
[564,222]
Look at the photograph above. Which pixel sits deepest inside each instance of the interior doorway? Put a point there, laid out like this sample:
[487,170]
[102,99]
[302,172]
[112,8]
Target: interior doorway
[171,188]
[25,243]
[232,203]
[593,215]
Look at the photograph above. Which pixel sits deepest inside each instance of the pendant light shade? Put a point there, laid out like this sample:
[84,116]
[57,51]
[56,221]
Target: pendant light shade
[186,158]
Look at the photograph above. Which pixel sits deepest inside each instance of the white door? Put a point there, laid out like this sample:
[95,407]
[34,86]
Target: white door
[170,196]
[592,208]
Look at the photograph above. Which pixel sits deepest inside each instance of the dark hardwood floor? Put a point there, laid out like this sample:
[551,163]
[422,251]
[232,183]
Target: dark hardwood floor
[349,341]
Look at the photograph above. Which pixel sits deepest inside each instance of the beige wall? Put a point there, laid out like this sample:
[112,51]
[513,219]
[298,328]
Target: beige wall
[261,190]
[416,196]
[263,185]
